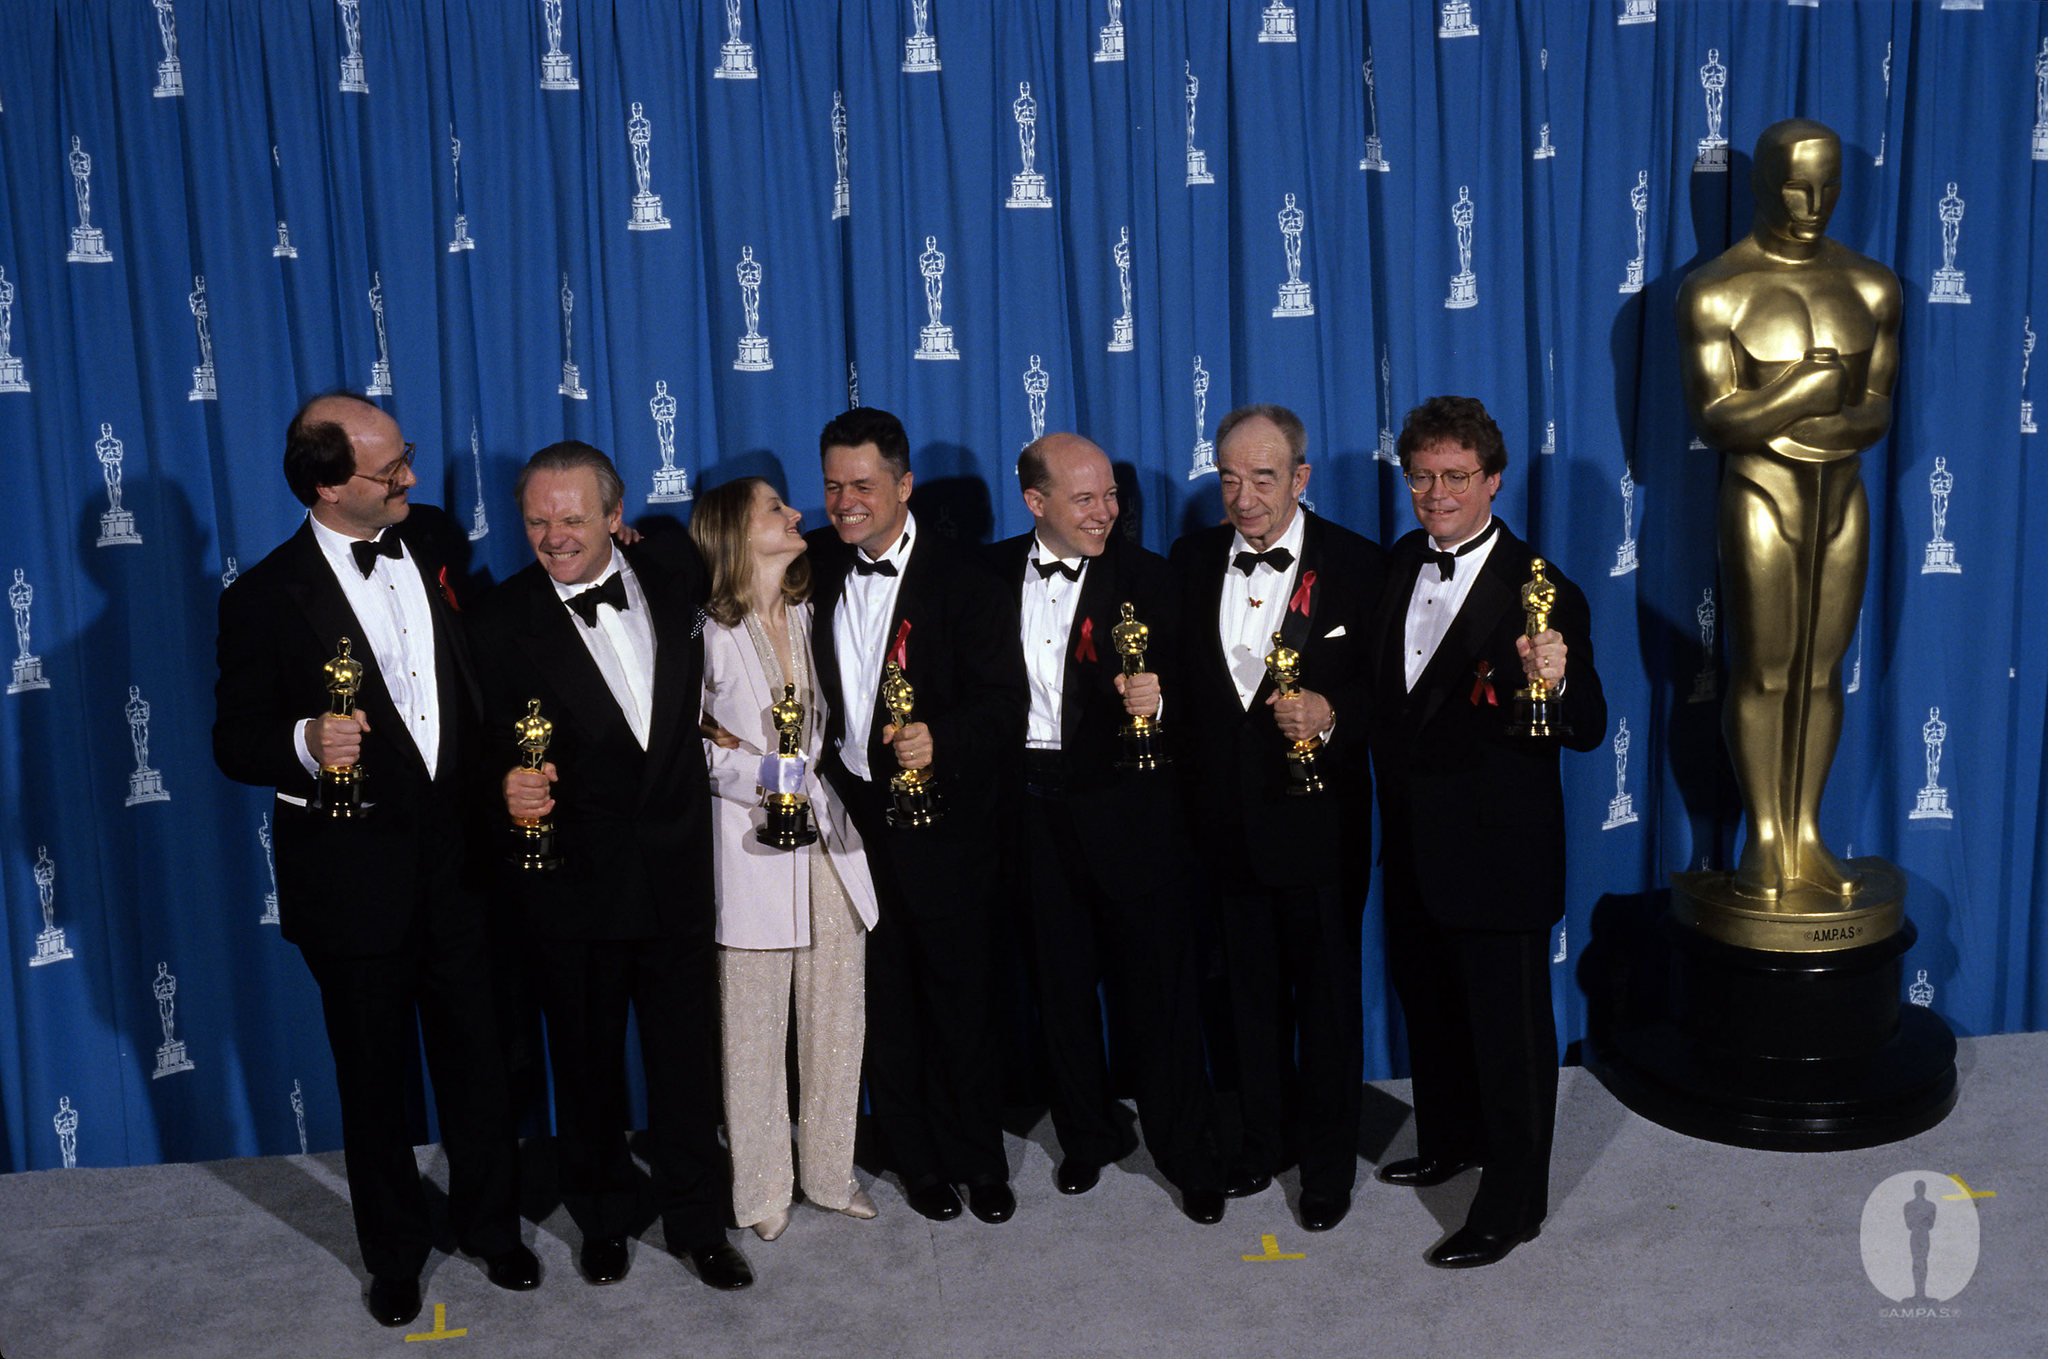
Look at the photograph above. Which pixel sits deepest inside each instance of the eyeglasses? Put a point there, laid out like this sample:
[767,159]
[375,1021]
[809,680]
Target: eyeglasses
[389,481]
[1454,482]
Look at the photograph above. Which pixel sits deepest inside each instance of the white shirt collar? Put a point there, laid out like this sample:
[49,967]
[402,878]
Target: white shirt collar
[899,551]
[611,568]
[1453,548]
[1041,553]
[1291,539]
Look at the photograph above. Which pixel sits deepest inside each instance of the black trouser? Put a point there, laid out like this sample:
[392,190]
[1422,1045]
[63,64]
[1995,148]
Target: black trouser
[1296,996]
[933,1055]
[437,989]
[1139,946]
[671,985]
[1482,1044]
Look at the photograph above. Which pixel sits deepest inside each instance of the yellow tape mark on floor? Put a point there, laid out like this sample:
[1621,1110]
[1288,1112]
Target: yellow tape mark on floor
[1969,1193]
[440,1331]
[1272,1250]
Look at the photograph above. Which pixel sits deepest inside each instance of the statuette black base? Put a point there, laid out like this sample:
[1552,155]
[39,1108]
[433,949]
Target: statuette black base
[1535,717]
[789,822]
[340,793]
[1144,749]
[1769,1049]
[533,847]
[913,804]
[1302,778]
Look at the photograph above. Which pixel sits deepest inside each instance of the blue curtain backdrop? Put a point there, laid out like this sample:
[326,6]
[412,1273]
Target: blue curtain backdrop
[211,207]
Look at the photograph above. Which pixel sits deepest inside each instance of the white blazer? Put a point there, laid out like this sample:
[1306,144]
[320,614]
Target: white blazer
[764,893]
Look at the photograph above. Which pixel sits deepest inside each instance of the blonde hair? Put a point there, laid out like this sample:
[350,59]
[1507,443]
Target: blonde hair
[721,524]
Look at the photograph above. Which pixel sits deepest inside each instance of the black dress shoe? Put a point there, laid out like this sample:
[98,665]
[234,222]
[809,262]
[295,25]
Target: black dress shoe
[1420,1172]
[604,1259]
[1242,1184]
[394,1301]
[1321,1212]
[991,1202]
[936,1201]
[722,1266]
[1202,1205]
[1470,1247]
[1076,1176]
[517,1269]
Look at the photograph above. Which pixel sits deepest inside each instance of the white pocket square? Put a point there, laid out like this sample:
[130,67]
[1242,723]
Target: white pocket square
[1337,631]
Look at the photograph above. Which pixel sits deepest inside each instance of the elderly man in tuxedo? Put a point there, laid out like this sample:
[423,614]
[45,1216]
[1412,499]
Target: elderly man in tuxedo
[1473,817]
[887,588]
[1288,871]
[1104,847]
[604,638]
[384,906]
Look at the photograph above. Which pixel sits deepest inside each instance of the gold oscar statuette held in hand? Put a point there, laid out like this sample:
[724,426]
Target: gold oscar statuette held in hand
[789,813]
[1143,741]
[1283,667]
[1535,704]
[533,837]
[340,793]
[913,801]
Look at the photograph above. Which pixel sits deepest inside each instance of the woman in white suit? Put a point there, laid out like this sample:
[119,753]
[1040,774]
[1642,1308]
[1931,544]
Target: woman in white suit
[791,923]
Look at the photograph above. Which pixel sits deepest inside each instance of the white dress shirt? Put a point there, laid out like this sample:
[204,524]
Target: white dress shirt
[622,644]
[1435,603]
[1253,607]
[860,626]
[391,603]
[1049,605]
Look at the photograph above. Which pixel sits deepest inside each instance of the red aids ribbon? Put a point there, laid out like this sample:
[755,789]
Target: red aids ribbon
[1084,650]
[447,590]
[1482,686]
[1299,604]
[899,650]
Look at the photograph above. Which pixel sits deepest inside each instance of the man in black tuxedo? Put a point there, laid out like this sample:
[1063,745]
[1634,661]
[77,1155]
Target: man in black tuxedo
[1288,871]
[604,638]
[887,588]
[1474,824]
[1104,849]
[383,907]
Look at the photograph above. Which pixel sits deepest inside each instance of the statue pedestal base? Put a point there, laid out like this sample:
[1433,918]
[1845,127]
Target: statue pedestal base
[1779,1049]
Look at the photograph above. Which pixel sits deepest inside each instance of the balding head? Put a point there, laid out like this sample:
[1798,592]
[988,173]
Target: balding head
[1070,489]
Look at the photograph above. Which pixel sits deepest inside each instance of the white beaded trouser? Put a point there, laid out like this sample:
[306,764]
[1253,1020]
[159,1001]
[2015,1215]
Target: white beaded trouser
[825,984]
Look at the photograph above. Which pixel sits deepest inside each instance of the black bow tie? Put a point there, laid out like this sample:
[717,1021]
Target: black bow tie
[867,568]
[1279,558]
[1446,562]
[1046,570]
[584,603]
[367,550]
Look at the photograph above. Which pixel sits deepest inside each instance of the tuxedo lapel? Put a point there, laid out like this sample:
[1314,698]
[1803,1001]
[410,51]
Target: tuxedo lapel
[1207,665]
[1088,640]
[1307,587]
[447,628]
[672,622]
[1390,617]
[548,636]
[320,596]
[911,594]
[828,583]
[1492,595]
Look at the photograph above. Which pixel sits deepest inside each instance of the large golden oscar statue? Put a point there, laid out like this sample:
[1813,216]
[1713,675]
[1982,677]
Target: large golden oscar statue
[1790,344]
[1777,1018]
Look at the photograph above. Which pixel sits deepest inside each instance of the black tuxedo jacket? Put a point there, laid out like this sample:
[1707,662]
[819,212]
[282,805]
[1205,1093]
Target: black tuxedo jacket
[1479,813]
[344,887]
[1129,821]
[966,672]
[1234,758]
[632,826]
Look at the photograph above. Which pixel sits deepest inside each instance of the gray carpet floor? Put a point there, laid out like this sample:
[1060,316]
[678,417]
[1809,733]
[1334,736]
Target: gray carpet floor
[1657,1245]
